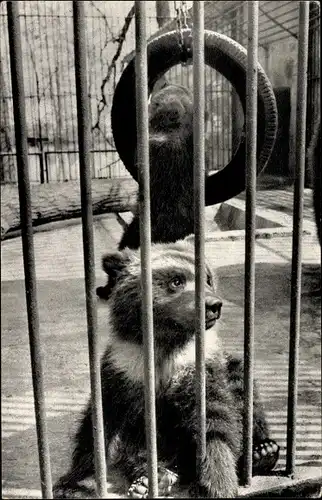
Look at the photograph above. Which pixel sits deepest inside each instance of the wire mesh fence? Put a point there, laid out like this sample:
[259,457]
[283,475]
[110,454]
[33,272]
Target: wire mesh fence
[48,61]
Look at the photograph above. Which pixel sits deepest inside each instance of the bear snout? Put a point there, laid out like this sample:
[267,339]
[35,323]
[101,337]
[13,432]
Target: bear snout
[213,308]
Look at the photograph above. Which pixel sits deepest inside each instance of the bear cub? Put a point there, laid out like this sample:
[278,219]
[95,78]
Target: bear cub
[122,371]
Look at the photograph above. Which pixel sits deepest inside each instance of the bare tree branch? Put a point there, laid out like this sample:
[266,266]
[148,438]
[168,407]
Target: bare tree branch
[112,67]
[101,13]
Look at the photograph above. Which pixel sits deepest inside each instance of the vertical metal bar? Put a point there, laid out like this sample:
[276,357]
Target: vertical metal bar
[222,113]
[84,140]
[251,143]
[297,234]
[211,117]
[199,214]
[18,96]
[142,122]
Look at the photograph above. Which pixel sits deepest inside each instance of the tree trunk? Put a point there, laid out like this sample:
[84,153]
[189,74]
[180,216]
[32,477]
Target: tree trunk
[53,202]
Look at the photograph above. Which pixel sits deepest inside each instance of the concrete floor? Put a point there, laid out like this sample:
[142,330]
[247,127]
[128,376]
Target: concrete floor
[59,267]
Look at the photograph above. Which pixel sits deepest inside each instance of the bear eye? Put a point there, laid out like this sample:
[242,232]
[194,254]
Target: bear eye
[176,282]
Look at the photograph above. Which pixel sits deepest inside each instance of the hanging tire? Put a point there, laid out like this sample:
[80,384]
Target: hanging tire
[228,58]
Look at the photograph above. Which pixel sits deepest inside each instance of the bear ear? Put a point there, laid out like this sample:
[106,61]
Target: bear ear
[114,264]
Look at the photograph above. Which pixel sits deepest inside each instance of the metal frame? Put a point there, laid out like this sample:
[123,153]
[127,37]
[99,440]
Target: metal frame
[145,230]
[141,75]
[44,167]
[251,162]
[84,141]
[28,247]
[297,235]
[199,213]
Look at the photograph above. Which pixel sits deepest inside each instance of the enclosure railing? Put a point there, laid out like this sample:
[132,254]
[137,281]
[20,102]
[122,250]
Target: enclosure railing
[297,234]
[251,161]
[141,75]
[84,141]
[145,229]
[44,174]
[199,214]
[28,246]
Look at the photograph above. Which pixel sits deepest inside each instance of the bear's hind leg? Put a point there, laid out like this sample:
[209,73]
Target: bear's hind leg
[265,449]
[68,486]
[218,477]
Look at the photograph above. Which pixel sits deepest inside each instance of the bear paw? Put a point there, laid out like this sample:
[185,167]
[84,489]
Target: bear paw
[265,457]
[83,489]
[140,487]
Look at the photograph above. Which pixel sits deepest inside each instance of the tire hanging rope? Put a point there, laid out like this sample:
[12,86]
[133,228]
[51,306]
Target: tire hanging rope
[228,58]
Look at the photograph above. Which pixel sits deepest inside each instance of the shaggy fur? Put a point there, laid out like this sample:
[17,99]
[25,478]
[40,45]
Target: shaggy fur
[171,168]
[177,421]
[171,172]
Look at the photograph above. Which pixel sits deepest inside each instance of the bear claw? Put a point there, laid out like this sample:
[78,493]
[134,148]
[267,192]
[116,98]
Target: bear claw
[265,457]
[140,487]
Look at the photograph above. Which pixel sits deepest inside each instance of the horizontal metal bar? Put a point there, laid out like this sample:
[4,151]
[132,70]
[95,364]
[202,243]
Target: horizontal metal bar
[84,140]
[251,161]
[279,39]
[282,5]
[70,151]
[301,105]
[47,153]
[142,123]
[262,23]
[276,26]
[34,153]
[36,356]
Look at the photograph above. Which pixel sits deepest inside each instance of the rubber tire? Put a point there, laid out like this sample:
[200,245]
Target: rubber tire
[230,59]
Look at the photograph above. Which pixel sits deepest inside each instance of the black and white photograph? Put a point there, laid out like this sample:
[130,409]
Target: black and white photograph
[160,169]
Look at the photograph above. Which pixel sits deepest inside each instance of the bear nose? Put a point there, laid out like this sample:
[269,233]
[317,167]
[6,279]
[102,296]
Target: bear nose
[164,117]
[213,308]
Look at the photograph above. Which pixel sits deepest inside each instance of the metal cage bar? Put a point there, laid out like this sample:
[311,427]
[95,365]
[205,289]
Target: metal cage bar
[301,103]
[251,162]
[141,75]
[28,246]
[84,140]
[199,214]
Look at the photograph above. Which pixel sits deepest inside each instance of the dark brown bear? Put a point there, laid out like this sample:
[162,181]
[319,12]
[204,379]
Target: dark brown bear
[122,371]
[171,172]
[171,168]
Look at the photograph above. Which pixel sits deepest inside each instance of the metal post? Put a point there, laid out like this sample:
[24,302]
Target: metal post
[199,209]
[84,140]
[301,101]
[142,123]
[18,96]
[251,161]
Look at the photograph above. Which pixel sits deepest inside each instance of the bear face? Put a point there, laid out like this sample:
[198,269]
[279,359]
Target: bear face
[170,113]
[173,292]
